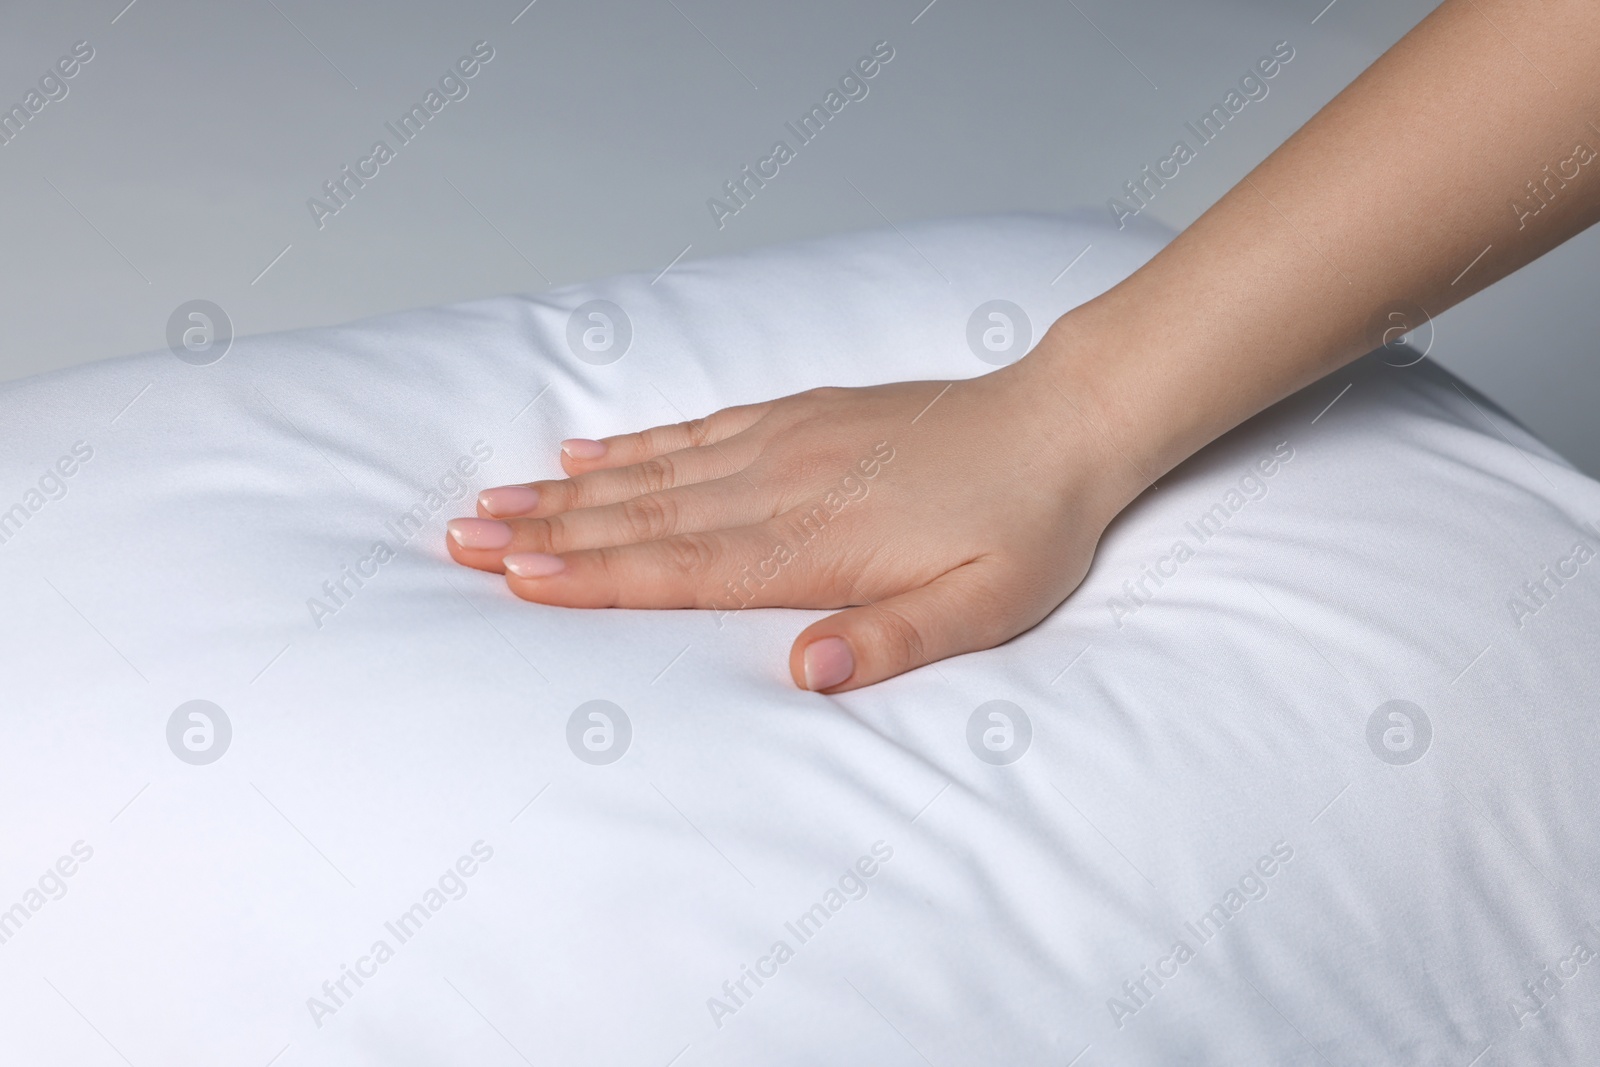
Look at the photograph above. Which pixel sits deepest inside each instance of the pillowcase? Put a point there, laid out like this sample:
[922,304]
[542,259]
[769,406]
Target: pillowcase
[1304,772]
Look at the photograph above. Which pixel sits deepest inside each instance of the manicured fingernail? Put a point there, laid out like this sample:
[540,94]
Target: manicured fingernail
[828,662]
[583,448]
[504,500]
[534,564]
[480,533]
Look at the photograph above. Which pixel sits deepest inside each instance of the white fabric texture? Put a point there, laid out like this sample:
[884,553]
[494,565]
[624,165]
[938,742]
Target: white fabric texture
[1195,762]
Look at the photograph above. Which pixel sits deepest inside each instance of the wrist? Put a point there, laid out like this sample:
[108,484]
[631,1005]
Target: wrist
[1091,370]
[1158,372]
[1068,383]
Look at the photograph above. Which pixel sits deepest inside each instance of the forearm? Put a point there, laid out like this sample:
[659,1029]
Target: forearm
[1383,200]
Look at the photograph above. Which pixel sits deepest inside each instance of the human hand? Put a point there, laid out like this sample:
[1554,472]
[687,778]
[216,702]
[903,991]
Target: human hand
[944,517]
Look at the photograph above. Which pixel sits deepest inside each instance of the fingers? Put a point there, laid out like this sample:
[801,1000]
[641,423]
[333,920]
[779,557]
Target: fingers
[605,486]
[962,610]
[725,503]
[724,569]
[581,454]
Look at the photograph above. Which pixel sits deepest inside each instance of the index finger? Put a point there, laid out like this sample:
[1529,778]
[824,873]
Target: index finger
[580,454]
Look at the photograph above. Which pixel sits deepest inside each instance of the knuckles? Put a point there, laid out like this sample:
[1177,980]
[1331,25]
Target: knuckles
[698,431]
[563,495]
[655,474]
[646,518]
[898,639]
[691,554]
[541,535]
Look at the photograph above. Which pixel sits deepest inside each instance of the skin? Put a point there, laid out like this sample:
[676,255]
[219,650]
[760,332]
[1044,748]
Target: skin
[988,513]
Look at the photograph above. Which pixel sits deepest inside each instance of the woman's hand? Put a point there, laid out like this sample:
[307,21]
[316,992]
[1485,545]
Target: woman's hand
[945,517]
[954,516]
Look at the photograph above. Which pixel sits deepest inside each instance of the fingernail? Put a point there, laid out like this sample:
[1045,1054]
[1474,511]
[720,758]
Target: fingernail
[583,448]
[534,564]
[505,500]
[480,533]
[828,662]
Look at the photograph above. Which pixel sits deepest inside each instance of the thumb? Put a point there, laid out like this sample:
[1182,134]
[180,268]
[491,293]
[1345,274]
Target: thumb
[964,610]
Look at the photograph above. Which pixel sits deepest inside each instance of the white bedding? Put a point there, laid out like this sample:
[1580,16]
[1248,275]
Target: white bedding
[1199,741]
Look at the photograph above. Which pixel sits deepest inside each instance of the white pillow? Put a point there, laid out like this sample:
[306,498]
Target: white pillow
[1209,846]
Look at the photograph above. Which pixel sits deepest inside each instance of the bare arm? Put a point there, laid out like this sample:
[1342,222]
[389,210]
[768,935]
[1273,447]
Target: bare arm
[1473,142]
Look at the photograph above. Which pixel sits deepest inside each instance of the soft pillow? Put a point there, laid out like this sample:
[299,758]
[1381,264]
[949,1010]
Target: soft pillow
[1303,773]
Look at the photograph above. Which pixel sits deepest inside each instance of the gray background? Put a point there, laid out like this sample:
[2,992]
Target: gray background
[180,164]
